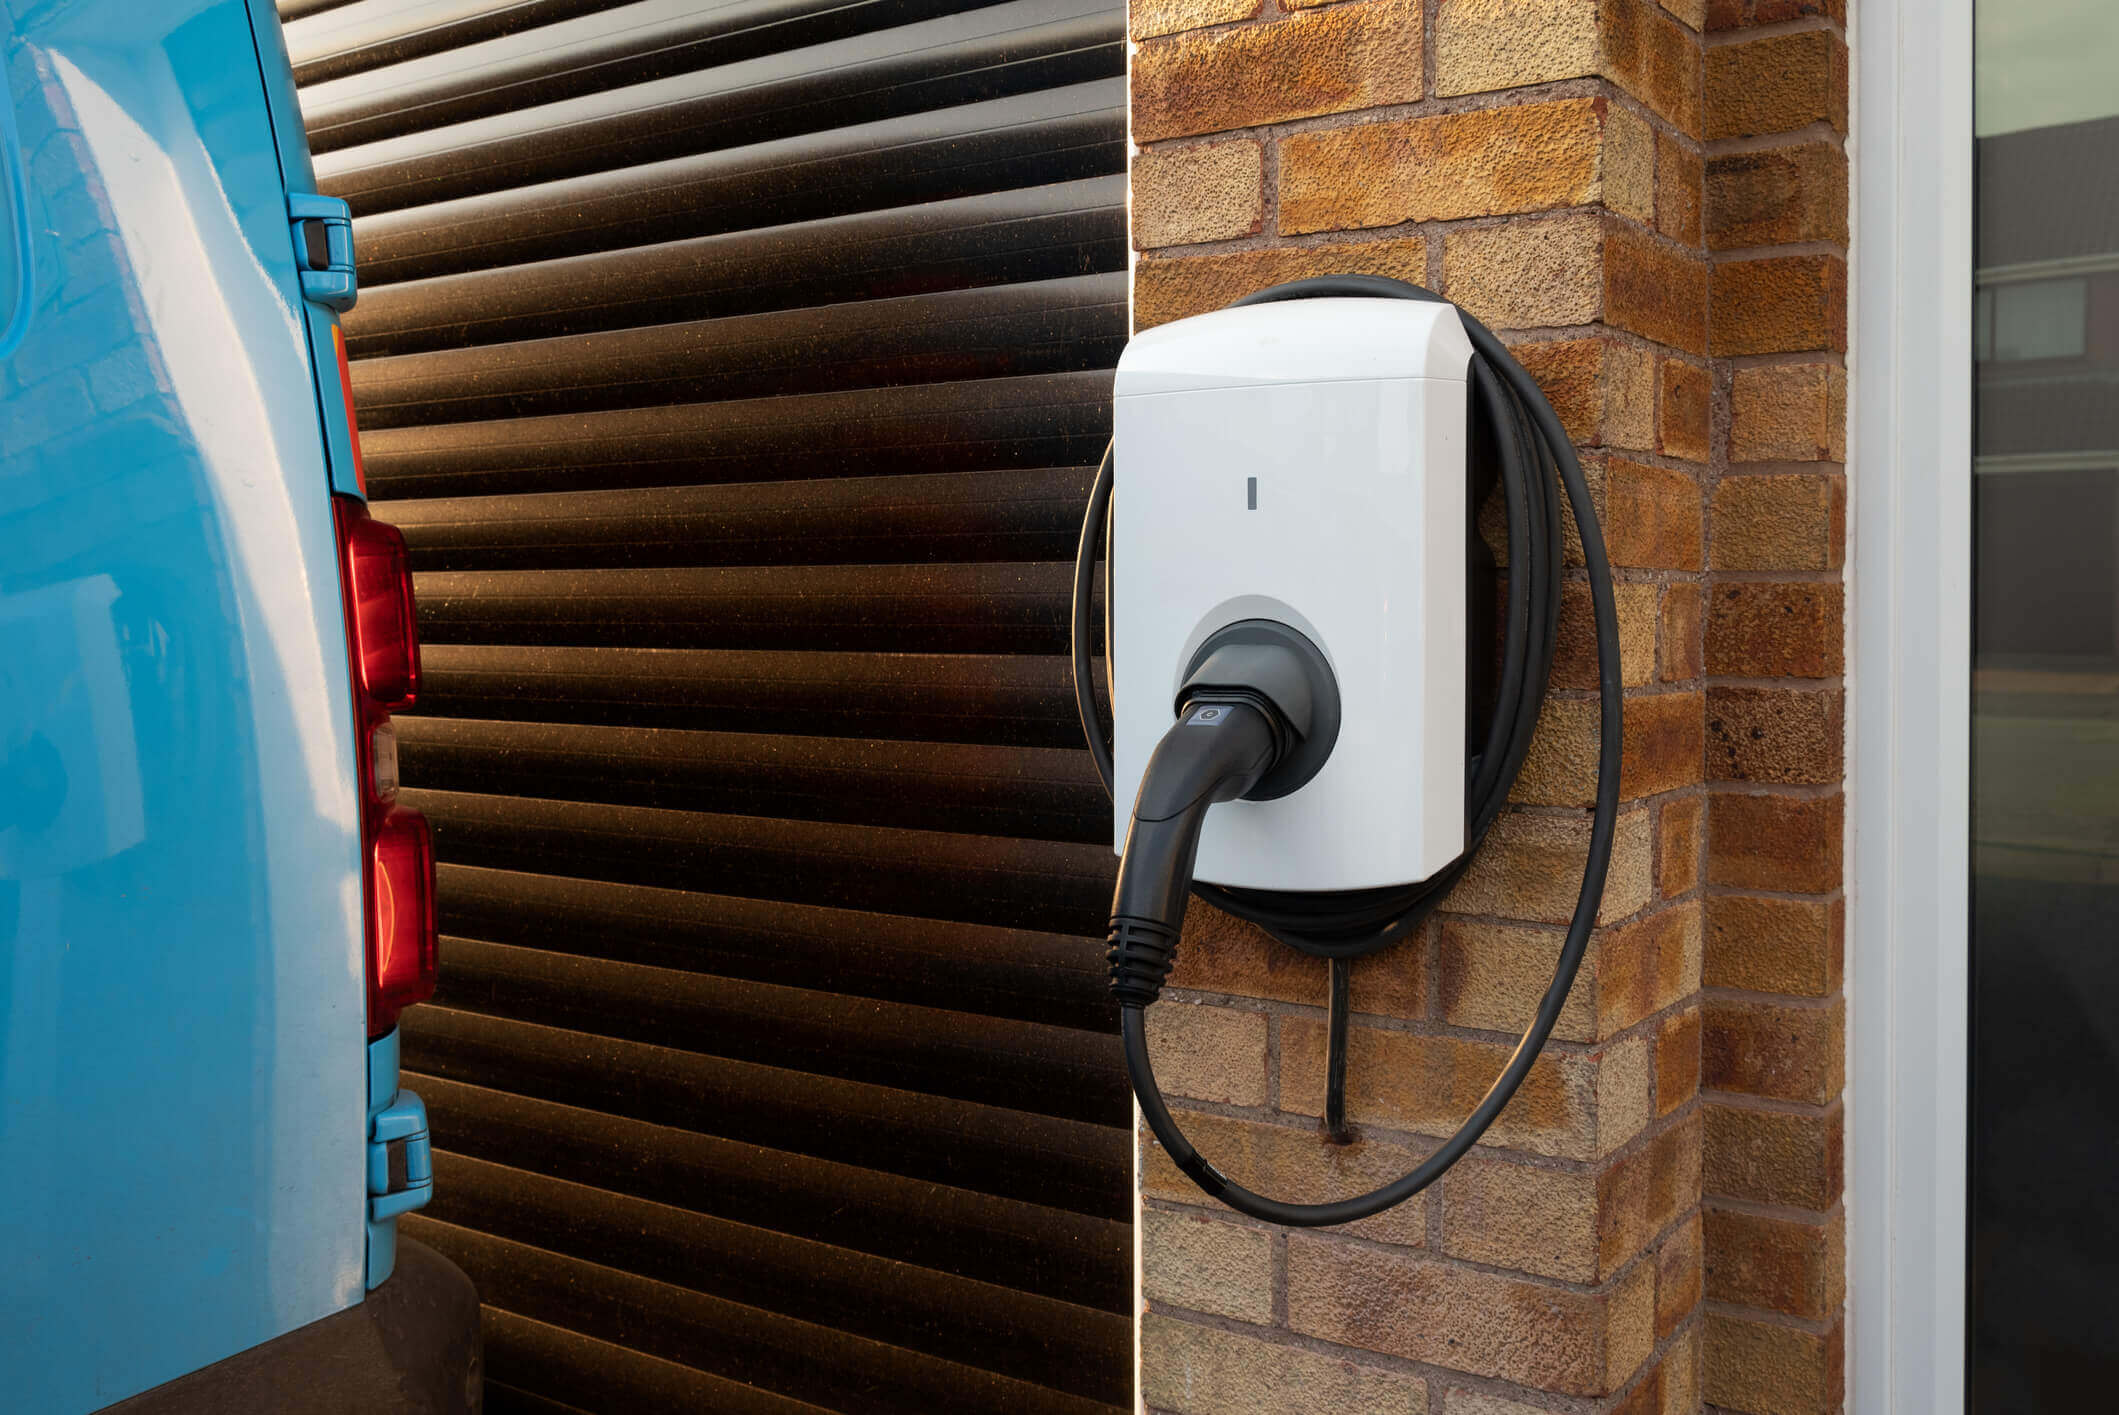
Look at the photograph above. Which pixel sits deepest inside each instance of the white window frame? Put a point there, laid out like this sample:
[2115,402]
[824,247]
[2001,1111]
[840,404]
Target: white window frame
[1910,476]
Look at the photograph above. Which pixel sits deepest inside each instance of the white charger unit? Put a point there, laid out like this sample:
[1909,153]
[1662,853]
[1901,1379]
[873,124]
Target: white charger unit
[1303,462]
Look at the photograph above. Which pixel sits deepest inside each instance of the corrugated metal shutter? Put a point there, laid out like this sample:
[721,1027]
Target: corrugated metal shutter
[735,368]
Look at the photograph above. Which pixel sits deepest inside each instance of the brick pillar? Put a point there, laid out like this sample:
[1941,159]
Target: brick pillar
[1539,161]
[1774,1016]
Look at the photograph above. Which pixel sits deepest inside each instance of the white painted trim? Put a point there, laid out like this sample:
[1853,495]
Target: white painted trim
[1911,482]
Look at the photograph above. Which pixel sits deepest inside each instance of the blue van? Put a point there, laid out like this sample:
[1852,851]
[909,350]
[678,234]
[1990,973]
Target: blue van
[211,908]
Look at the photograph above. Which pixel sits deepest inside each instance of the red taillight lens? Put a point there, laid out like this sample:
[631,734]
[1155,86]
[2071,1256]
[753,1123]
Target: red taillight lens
[401,923]
[378,578]
[382,642]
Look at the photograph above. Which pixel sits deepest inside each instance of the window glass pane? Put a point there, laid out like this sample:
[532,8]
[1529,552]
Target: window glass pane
[2045,710]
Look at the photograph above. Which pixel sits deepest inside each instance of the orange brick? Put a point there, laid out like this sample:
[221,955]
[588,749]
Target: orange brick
[1194,1369]
[1493,975]
[1655,59]
[1603,391]
[1324,61]
[1679,643]
[1205,1263]
[1670,1387]
[1776,1263]
[1427,1309]
[1652,517]
[1773,12]
[1776,84]
[1778,736]
[1770,1367]
[1784,304]
[1428,1084]
[1677,1061]
[1774,629]
[1786,843]
[1775,1156]
[1574,662]
[1777,196]
[1530,867]
[1780,523]
[1207,192]
[1664,735]
[1209,1053]
[1692,12]
[1147,18]
[1525,274]
[1678,1278]
[1535,1220]
[1655,289]
[1678,846]
[1488,162]
[1725,14]
[1688,396]
[1484,45]
[1649,1190]
[1221,953]
[1788,413]
[1167,288]
[1679,189]
[1782,1051]
[1774,945]
[1294,1162]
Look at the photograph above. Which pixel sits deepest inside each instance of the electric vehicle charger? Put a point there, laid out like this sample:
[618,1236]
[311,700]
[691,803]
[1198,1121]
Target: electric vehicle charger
[1249,724]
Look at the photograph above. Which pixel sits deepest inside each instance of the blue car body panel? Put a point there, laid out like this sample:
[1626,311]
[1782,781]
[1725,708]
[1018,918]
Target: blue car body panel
[184,1066]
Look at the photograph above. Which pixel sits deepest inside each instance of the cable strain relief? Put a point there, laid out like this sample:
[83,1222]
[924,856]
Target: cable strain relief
[1141,953]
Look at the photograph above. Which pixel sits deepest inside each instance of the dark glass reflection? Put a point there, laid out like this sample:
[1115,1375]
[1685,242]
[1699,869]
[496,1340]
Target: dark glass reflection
[2045,725]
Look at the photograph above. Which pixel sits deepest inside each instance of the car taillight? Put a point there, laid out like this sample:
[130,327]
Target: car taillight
[382,644]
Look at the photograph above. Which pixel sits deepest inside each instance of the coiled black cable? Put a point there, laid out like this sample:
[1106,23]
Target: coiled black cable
[1529,447]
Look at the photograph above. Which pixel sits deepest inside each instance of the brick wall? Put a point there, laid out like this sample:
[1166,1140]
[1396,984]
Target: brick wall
[1773,1035]
[1542,162]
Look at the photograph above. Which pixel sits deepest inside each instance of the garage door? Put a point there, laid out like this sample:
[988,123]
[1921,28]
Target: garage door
[735,368]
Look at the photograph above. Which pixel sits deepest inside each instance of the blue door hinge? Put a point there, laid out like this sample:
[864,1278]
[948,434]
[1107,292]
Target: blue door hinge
[323,248]
[400,1158]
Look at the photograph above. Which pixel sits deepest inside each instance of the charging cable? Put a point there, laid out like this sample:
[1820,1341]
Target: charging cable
[1228,754]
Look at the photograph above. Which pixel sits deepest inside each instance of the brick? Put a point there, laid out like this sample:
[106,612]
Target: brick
[1656,290]
[1488,162]
[1207,1264]
[1629,164]
[1679,189]
[1655,59]
[1528,273]
[1541,1221]
[1646,1192]
[1323,61]
[1725,14]
[1493,975]
[1294,1162]
[1765,1368]
[1670,1387]
[1531,868]
[1602,390]
[1224,954]
[1780,523]
[1777,736]
[1167,288]
[1652,517]
[1777,1263]
[1678,1278]
[1487,1324]
[1773,12]
[1200,1370]
[1677,1061]
[1483,45]
[1148,18]
[1785,304]
[1692,12]
[1661,750]
[1458,1401]
[1684,424]
[1785,843]
[1777,196]
[1574,662]
[1625,1092]
[1209,1053]
[1775,629]
[1774,1156]
[1788,413]
[1776,84]
[1781,1051]
[1774,945]
[1428,1084]
[1679,643]
[1677,868]
[1209,192]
